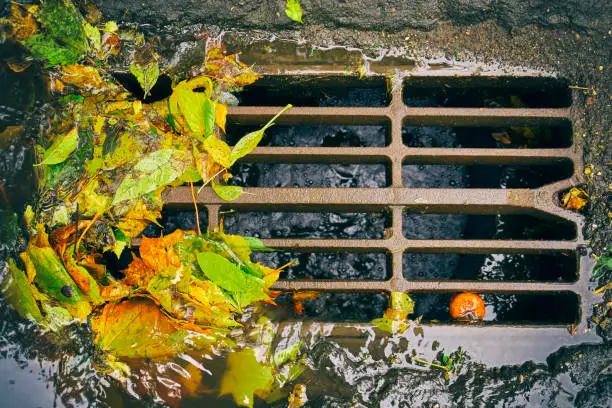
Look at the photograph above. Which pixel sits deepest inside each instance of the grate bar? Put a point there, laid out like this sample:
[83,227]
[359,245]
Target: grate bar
[370,116]
[472,201]
[399,285]
[358,155]
[399,243]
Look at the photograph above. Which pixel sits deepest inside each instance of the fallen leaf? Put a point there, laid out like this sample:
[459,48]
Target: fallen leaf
[65,24]
[221,115]
[19,66]
[250,141]
[502,137]
[298,397]
[227,193]
[401,306]
[146,75]
[187,106]
[293,10]
[136,328]
[23,23]
[218,150]
[82,76]
[245,377]
[16,291]
[152,172]
[244,288]
[53,280]
[61,148]
[575,199]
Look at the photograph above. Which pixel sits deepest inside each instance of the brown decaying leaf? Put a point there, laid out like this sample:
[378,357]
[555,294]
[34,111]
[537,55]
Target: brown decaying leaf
[298,299]
[23,22]
[82,76]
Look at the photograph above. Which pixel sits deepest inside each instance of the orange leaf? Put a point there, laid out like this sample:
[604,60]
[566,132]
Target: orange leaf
[159,254]
[575,199]
[138,273]
[82,76]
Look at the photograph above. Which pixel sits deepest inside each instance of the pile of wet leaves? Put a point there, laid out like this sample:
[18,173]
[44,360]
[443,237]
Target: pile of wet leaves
[101,166]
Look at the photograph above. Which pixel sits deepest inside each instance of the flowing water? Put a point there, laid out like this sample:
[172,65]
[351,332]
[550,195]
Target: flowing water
[346,366]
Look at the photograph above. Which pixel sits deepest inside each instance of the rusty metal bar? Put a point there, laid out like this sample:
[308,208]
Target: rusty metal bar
[403,285]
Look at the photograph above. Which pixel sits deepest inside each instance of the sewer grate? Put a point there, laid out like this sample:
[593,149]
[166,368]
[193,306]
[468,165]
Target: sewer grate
[468,107]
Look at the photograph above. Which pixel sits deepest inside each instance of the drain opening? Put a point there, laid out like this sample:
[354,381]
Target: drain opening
[323,135]
[558,308]
[172,220]
[307,225]
[161,90]
[316,91]
[485,176]
[310,175]
[519,135]
[483,92]
[558,267]
[491,226]
[330,265]
[338,307]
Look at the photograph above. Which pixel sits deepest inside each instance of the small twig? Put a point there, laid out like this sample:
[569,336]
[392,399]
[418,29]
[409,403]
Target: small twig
[195,204]
[209,180]
[418,360]
[78,243]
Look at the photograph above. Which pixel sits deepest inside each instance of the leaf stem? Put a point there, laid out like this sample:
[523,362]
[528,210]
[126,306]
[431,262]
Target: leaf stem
[78,243]
[418,360]
[195,204]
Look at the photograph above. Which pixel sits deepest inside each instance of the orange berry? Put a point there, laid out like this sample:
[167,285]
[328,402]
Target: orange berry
[467,306]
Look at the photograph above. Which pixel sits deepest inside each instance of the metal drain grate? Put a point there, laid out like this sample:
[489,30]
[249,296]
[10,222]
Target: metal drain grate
[467,104]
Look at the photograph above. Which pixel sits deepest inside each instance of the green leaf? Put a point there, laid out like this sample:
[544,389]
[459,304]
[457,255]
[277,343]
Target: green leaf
[401,302]
[287,354]
[293,10]
[257,245]
[93,35]
[121,241]
[146,75]
[61,148]
[245,288]
[245,377]
[152,172]
[225,274]
[187,106]
[209,117]
[390,325]
[45,48]
[53,280]
[218,150]
[65,24]
[227,193]
[16,292]
[250,141]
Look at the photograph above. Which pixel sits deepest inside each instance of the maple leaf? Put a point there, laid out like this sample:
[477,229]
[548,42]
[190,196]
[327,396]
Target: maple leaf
[246,377]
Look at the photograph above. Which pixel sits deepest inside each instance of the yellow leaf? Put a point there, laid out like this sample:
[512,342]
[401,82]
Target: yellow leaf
[137,219]
[221,115]
[218,150]
[82,76]
[575,199]
[245,377]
